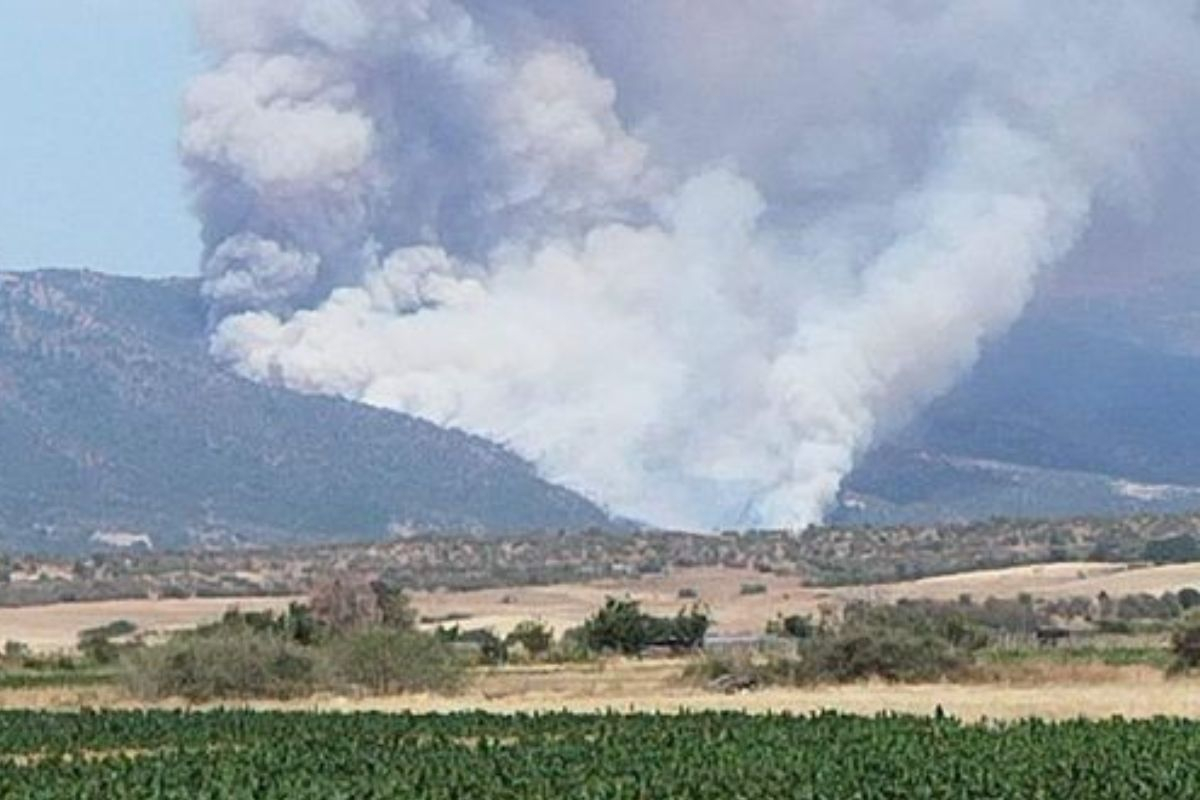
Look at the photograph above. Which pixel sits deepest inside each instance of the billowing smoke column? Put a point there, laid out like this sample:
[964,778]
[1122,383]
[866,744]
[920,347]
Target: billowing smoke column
[691,257]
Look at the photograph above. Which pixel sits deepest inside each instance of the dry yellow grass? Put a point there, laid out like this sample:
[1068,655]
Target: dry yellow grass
[56,627]
[658,686]
[566,605]
[1038,689]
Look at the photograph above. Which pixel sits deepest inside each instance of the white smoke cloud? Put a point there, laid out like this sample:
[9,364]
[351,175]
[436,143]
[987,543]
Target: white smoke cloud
[691,258]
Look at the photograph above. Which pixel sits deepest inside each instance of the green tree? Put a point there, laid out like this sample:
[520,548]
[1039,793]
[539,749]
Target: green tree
[620,626]
[1173,549]
[395,607]
[1189,598]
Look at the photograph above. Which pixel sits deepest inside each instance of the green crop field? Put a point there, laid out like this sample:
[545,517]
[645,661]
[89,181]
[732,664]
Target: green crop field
[294,756]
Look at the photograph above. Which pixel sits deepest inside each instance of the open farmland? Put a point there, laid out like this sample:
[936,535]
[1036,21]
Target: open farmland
[739,608]
[228,755]
[56,626]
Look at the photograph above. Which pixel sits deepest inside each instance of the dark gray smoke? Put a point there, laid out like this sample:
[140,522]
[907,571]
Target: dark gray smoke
[691,257]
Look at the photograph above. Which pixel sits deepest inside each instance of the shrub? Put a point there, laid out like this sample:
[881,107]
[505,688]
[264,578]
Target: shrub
[395,607]
[99,649]
[909,641]
[571,648]
[687,593]
[229,664]
[1069,607]
[713,666]
[894,654]
[15,650]
[1147,606]
[753,588]
[1185,646]
[57,662]
[96,643]
[851,654]
[533,636]
[685,631]
[964,627]
[793,626]
[1189,598]
[386,661]
[488,648]
[297,624]
[120,627]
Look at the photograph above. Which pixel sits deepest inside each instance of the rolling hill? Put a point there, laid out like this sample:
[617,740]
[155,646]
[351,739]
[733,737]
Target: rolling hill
[116,425]
[1056,419]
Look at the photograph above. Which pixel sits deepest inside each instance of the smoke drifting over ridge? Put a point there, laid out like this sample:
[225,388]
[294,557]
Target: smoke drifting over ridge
[691,258]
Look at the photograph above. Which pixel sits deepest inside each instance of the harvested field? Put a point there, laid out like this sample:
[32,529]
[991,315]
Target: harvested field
[56,627]
[567,605]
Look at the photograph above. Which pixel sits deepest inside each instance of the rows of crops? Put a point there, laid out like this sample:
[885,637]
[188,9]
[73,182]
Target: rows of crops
[243,754]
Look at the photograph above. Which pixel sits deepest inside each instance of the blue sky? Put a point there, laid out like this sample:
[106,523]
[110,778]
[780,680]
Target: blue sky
[89,115]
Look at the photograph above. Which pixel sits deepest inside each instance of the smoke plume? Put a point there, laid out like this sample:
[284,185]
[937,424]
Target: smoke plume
[690,257]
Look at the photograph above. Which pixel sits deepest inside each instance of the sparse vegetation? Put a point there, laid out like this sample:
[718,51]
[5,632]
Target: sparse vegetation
[1185,646]
[14,650]
[385,660]
[532,636]
[794,626]
[823,556]
[225,664]
[482,645]
[361,635]
[924,640]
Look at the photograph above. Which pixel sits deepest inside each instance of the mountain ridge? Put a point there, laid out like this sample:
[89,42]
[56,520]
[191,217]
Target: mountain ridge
[116,423]
[113,418]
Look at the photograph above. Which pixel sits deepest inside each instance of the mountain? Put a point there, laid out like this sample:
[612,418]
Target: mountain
[116,425]
[1056,419]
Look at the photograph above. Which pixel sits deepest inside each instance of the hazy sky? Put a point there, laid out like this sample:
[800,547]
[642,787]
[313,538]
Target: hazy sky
[89,99]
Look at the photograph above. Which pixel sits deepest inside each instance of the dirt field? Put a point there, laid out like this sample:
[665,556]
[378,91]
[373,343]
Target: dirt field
[56,627]
[567,605]
[658,686]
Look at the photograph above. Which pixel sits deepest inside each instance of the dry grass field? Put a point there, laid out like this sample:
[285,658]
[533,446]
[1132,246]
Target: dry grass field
[658,685]
[567,605]
[1050,690]
[56,627]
